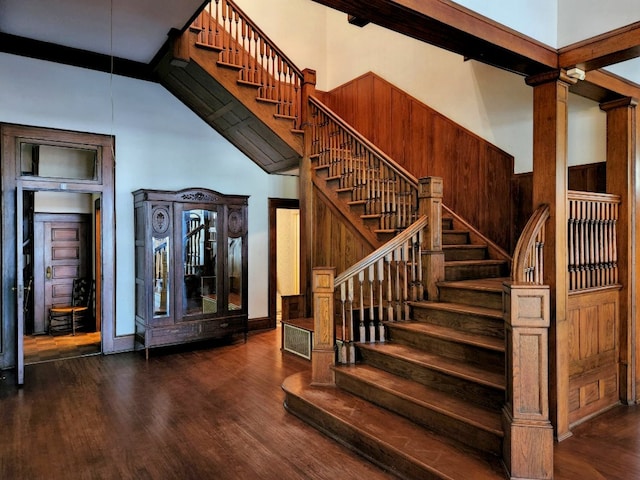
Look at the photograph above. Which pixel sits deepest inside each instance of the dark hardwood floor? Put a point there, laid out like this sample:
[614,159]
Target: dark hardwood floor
[215,413]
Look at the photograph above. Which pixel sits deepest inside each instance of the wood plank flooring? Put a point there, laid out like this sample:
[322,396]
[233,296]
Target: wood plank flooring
[215,413]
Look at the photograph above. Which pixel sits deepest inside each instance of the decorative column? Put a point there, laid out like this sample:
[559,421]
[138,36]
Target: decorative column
[430,204]
[550,185]
[305,188]
[323,355]
[622,171]
[528,433]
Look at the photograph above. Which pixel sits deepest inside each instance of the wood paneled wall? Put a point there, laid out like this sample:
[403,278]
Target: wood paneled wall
[593,352]
[585,178]
[476,174]
[335,242]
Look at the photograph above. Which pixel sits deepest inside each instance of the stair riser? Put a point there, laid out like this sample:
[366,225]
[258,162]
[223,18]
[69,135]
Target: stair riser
[447,224]
[351,437]
[438,422]
[469,272]
[455,238]
[469,323]
[471,297]
[458,254]
[451,349]
[480,394]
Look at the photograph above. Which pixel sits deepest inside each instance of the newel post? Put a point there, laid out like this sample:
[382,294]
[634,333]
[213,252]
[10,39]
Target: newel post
[323,356]
[305,188]
[528,437]
[430,204]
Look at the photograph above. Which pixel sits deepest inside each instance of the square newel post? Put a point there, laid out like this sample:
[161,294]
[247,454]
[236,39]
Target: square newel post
[305,187]
[528,433]
[430,204]
[323,355]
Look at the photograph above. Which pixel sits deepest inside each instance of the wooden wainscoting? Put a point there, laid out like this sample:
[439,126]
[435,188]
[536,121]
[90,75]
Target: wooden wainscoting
[476,174]
[593,352]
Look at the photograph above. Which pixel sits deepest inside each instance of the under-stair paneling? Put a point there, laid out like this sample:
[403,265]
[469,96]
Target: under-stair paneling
[213,92]
[335,243]
[476,174]
[593,352]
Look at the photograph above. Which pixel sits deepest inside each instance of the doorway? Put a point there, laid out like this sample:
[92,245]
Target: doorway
[48,163]
[284,253]
[59,228]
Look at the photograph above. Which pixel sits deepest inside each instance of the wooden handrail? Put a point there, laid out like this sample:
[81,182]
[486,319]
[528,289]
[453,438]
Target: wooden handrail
[386,191]
[383,251]
[527,264]
[224,27]
[364,140]
[379,288]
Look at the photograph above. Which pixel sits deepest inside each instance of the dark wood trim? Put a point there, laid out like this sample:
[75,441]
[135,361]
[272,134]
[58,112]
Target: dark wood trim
[51,52]
[452,27]
[105,188]
[274,205]
[600,51]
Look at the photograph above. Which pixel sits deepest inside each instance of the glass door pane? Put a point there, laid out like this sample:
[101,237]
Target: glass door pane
[200,251]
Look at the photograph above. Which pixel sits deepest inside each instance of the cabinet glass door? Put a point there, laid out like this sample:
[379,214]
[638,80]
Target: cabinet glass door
[161,277]
[200,251]
[234,265]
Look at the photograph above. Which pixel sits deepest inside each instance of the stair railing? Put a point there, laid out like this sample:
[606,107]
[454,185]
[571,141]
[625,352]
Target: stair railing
[224,27]
[593,255]
[527,266]
[379,288]
[385,189]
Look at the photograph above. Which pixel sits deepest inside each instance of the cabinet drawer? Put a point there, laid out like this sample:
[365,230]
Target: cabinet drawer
[224,326]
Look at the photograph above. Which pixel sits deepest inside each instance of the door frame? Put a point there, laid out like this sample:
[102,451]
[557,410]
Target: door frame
[274,205]
[103,186]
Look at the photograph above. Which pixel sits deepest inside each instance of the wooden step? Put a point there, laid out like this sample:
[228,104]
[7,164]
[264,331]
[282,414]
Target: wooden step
[471,269]
[469,318]
[383,437]
[448,342]
[485,292]
[464,252]
[470,382]
[475,426]
[447,223]
[455,237]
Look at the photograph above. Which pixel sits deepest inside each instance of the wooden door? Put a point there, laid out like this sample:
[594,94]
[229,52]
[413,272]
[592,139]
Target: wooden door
[61,248]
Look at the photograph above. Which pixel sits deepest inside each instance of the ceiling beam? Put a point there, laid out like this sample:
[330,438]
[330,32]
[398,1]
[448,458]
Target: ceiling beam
[452,27]
[612,47]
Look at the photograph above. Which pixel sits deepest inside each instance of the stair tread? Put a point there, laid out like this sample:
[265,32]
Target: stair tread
[484,284]
[447,404]
[486,261]
[460,308]
[464,246]
[457,368]
[406,439]
[438,331]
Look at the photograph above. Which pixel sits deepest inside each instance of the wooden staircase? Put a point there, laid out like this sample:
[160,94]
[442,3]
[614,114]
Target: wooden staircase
[253,103]
[427,403]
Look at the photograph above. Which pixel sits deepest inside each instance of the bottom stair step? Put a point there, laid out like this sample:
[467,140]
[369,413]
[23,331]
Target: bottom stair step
[388,440]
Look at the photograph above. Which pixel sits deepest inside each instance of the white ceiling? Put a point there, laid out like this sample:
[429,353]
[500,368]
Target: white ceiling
[130,29]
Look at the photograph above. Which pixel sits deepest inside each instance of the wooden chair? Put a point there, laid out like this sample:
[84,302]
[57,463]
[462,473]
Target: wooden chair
[63,318]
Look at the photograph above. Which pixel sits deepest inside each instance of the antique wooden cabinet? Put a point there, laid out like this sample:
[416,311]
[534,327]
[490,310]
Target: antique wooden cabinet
[190,266]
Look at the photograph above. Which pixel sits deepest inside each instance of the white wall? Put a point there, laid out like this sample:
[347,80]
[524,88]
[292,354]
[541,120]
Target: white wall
[494,104]
[160,144]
